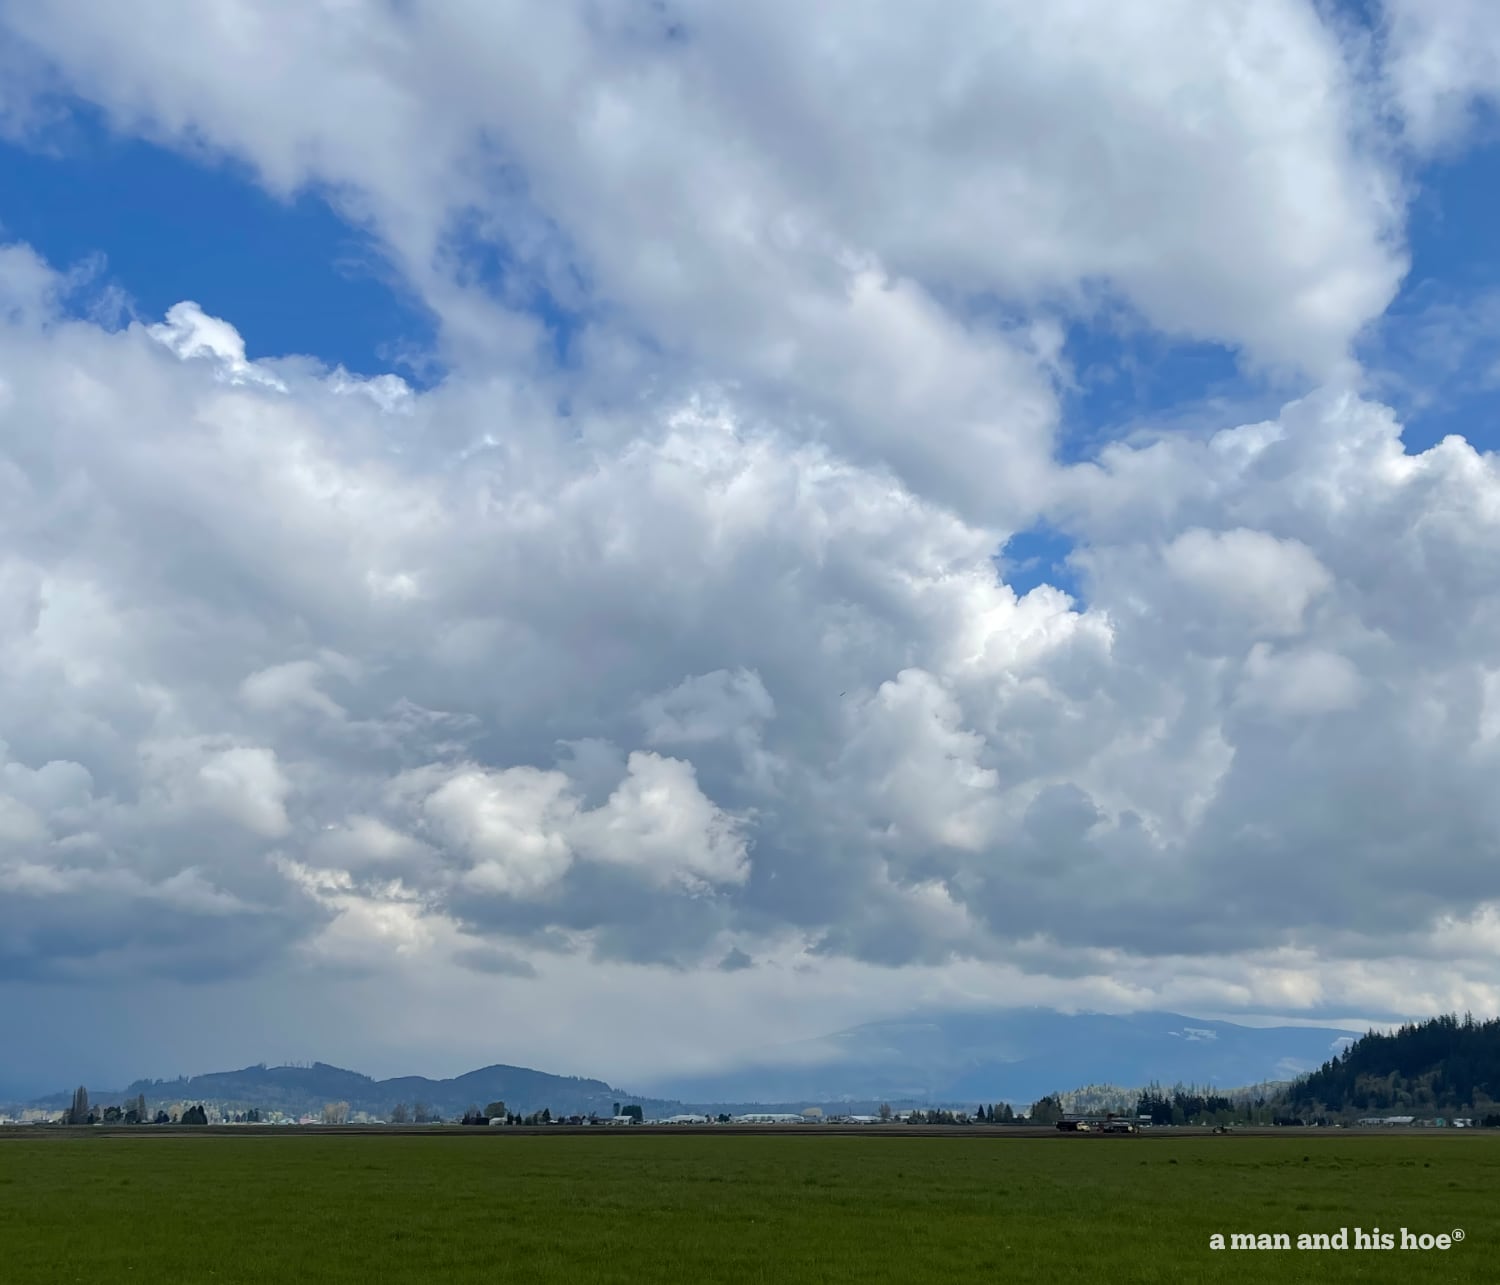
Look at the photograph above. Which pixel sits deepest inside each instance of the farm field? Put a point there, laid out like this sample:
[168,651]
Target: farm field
[699,1208]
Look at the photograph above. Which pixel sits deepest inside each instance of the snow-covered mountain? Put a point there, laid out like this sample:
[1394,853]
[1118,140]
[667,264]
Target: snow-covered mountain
[1014,1055]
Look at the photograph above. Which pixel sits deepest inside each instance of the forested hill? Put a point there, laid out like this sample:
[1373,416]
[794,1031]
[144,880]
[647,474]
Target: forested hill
[1449,1065]
[300,1089]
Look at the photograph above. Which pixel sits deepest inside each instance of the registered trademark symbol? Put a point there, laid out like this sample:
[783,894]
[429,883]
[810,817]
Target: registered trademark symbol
[1458,1234]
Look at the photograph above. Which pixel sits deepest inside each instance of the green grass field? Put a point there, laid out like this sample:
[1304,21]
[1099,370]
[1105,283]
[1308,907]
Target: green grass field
[695,1209]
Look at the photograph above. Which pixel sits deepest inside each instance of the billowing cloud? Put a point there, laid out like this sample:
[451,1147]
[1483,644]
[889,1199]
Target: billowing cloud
[614,637]
[237,783]
[688,654]
[1443,67]
[511,824]
[1205,168]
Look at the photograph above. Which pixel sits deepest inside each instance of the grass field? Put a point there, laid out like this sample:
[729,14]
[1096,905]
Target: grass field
[698,1208]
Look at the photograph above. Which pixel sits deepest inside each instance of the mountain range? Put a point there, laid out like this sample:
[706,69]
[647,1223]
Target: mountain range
[296,1090]
[1014,1055]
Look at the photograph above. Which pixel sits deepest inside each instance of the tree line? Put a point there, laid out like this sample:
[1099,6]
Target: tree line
[1446,1065]
[135,1112]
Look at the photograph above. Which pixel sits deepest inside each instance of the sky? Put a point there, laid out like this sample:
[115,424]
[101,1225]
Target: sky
[609,537]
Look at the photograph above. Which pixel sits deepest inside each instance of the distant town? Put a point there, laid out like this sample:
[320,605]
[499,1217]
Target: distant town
[1155,1109]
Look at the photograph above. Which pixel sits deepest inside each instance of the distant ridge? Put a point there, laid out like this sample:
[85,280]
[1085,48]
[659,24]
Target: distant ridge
[298,1090]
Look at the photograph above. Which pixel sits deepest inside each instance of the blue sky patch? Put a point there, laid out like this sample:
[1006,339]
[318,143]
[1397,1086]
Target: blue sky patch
[1127,378]
[1435,354]
[292,278]
[1039,556]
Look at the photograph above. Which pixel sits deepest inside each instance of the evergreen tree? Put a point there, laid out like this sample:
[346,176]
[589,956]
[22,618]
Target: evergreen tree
[1046,1110]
